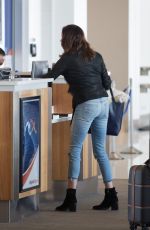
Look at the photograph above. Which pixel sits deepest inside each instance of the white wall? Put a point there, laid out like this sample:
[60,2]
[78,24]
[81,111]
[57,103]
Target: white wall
[46,19]
[43,20]
[134,52]
[46,30]
[3,25]
[35,23]
[80,14]
[20,35]
[35,28]
[139,51]
[63,13]
[145,33]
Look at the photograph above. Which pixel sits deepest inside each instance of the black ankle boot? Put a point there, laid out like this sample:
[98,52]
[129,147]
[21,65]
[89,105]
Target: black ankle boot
[110,200]
[70,201]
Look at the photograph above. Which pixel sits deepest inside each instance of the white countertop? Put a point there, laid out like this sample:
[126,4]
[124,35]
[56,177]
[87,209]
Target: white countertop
[59,118]
[60,80]
[19,84]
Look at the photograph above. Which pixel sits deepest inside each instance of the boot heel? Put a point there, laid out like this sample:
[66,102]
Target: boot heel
[115,206]
[73,207]
[69,203]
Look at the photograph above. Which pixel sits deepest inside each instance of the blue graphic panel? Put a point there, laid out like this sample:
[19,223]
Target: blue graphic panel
[8,26]
[29,143]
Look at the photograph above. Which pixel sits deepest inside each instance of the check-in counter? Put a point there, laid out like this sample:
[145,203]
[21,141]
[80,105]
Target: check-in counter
[25,131]
[62,106]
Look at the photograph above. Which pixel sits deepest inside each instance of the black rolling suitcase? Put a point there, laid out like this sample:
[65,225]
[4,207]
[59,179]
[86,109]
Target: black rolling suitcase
[139,195]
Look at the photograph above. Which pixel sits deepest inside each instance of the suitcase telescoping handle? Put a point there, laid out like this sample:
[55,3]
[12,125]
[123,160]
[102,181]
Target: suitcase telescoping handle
[148,161]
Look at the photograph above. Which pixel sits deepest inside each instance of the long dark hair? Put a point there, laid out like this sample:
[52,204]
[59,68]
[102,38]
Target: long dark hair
[73,40]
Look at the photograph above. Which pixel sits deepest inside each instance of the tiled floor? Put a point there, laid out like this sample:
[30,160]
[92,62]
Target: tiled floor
[121,168]
[84,219]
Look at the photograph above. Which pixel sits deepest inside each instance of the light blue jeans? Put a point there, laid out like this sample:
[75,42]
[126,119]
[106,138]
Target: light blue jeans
[94,114]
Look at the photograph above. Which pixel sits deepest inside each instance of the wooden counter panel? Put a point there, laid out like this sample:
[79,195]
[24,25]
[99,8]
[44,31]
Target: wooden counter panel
[89,162]
[29,193]
[60,150]
[61,99]
[94,165]
[44,139]
[6,145]
[85,162]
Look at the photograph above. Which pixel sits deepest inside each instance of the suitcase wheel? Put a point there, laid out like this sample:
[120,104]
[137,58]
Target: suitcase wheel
[133,226]
[145,228]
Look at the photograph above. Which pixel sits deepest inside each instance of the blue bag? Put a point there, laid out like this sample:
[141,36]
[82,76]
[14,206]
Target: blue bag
[116,111]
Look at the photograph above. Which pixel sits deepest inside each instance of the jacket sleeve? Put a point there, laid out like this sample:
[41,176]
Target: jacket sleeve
[106,80]
[59,68]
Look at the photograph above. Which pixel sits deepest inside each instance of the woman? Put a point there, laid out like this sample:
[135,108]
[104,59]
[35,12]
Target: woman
[86,74]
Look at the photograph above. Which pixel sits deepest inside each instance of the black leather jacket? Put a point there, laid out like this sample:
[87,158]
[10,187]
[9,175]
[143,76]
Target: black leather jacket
[87,79]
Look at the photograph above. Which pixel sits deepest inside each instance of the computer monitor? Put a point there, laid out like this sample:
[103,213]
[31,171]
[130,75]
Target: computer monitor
[4,73]
[39,69]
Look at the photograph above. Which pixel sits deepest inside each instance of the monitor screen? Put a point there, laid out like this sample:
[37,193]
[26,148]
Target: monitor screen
[4,73]
[39,69]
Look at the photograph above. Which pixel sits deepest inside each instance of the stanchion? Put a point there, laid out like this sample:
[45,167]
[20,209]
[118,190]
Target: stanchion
[113,155]
[131,149]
